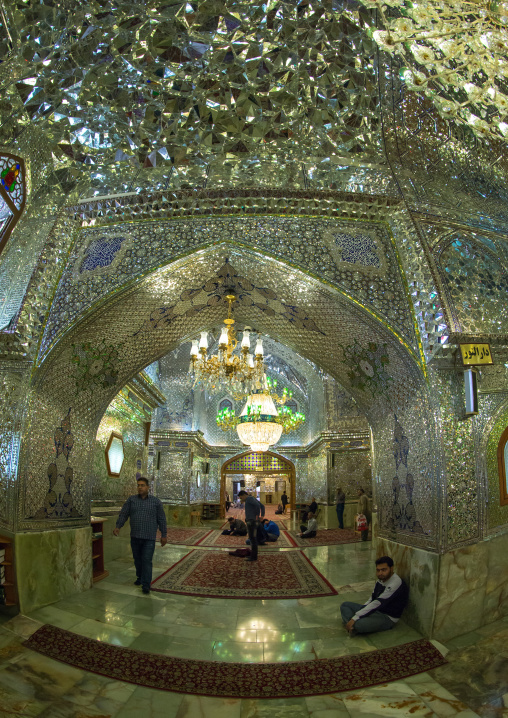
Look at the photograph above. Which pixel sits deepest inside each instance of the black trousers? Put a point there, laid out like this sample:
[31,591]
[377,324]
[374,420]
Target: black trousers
[311,535]
[252,528]
[142,553]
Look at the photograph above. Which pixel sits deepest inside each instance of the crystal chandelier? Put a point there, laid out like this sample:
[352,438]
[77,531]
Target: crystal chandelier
[258,426]
[457,55]
[261,424]
[238,374]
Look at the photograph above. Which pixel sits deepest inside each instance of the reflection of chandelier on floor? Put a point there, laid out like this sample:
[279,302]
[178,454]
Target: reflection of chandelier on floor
[261,424]
[238,374]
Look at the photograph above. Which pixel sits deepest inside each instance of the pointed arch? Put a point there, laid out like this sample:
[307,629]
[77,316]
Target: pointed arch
[260,463]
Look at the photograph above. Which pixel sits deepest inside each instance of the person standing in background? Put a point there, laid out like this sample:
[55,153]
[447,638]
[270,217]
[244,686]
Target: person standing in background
[362,507]
[228,503]
[340,501]
[284,502]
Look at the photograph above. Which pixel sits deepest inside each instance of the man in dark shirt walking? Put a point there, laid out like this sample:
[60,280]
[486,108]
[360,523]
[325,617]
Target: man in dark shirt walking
[384,608]
[253,510]
[146,515]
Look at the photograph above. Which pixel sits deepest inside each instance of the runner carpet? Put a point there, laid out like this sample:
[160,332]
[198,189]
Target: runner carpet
[236,680]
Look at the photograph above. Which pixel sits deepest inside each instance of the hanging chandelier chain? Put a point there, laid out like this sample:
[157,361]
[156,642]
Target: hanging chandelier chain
[230,324]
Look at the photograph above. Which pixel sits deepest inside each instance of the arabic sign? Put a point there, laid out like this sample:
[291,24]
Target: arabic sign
[476,354]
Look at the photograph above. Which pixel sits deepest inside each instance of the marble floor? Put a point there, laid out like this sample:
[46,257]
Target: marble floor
[475,682]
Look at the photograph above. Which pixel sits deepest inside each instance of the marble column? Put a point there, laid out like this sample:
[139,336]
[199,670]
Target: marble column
[51,565]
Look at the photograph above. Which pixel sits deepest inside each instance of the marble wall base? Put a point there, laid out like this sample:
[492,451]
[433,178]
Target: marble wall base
[116,547]
[180,514]
[473,587]
[51,565]
[456,592]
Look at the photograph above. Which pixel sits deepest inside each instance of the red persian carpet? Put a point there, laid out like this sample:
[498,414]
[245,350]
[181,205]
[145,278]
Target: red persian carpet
[186,536]
[215,538]
[326,537]
[286,574]
[269,514]
[236,680]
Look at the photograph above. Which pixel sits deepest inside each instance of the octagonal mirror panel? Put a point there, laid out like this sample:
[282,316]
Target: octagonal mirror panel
[114,454]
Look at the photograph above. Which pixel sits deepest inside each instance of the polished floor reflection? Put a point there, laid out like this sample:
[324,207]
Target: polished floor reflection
[231,630]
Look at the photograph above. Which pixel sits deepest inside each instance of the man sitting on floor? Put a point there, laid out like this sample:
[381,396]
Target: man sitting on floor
[272,530]
[309,531]
[264,534]
[237,527]
[312,509]
[384,608]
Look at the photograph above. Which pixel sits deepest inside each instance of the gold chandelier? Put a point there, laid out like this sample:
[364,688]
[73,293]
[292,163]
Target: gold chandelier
[238,374]
[457,55]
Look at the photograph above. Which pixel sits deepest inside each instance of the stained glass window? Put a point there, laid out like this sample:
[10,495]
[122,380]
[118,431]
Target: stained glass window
[257,461]
[502,460]
[226,404]
[12,194]
[291,404]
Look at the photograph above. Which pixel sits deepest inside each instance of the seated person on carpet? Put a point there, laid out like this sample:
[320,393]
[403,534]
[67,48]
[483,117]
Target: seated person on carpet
[312,509]
[280,509]
[237,527]
[384,608]
[261,534]
[309,531]
[272,530]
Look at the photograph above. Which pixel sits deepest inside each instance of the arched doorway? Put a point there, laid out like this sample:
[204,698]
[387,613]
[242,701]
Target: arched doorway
[261,464]
[88,364]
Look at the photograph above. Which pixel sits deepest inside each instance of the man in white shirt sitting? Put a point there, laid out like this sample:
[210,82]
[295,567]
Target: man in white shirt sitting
[384,608]
[310,530]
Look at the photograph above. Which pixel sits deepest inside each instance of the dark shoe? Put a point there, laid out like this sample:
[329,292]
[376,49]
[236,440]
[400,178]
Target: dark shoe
[137,582]
[249,558]
[146,590]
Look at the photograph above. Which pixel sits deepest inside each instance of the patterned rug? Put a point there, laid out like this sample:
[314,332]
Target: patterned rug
[283,523]
[215,538]
[283,574]
[186,536]
[236,680]
[326,537]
